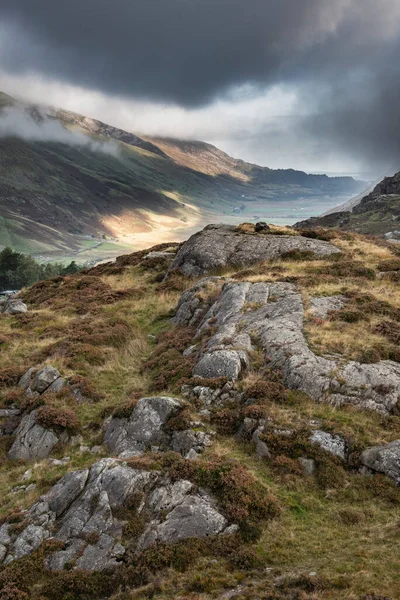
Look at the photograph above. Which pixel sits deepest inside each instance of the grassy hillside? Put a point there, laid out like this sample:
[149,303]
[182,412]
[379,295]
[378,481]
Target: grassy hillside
[334,535]
[60,199]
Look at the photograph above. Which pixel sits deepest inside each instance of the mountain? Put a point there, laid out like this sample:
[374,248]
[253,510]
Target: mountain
[376,213]
[74,186]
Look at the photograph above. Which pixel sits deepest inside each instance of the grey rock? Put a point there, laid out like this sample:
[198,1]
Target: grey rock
[278,326]
[57,385]
[383,459]
[13,306]
[221,363]
[320,307]
[189,441]
[147,429]
[308,465]
[9,412]
[3,553]
[194,517]
[85,502]
[218,246]
[5,538]
[29,540]
[44,378]
[143,429]
[32,440]
[26,379]
[98,557]
[262,449]
[27,475]
[331,443]
[96,450]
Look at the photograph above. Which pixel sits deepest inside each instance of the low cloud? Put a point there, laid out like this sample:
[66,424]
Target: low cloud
[32,124]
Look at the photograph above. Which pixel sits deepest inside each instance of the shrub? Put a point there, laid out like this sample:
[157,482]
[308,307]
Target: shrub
[85,386]
[240,495]
[287,466]
[298,255]
[11,592]
[124,410]
[325,235]
[389,330]
[10,376]
[254,411]
[57,418]
[330,471]
[348,268]
[227,420]
[246,559]
[167,363]
[389,265]
[181,421]
[272,390]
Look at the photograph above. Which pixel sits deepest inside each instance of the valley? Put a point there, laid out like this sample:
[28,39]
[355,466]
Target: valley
[91,191]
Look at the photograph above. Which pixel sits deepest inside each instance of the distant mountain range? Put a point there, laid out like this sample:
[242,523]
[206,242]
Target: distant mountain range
[70,184]
[377,212]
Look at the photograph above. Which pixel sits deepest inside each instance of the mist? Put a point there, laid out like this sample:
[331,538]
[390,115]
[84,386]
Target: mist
[33,125]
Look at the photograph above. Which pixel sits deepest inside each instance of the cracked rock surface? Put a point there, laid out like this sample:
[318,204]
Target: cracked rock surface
[274,314]
[32,440]
[147,429]
[219,246]
[80,510]
[383,459]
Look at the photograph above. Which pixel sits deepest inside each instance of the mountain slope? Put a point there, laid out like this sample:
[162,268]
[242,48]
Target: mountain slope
[377,213]
[70,184]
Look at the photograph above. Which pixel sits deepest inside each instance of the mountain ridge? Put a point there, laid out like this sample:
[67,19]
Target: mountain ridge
[102,190]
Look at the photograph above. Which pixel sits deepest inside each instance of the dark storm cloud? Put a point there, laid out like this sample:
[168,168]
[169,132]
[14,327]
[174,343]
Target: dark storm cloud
[191,51]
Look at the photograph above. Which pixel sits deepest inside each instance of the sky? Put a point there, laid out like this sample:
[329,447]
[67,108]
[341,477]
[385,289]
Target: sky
[306,84]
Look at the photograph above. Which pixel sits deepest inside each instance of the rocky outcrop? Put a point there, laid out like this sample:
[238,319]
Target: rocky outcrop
[220,246]
[43,380]
[334,444]
[147,429]
[321,307]
[12,306]
[32,440]
[383,459]
[84,510]
[273,313]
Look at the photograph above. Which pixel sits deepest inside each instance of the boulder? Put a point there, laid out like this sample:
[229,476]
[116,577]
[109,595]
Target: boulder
[13,306]
[273,314]
[147,429]
[32,440]
[383,459]
[43,380]
[83,510]
[219,246]
[331,443]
